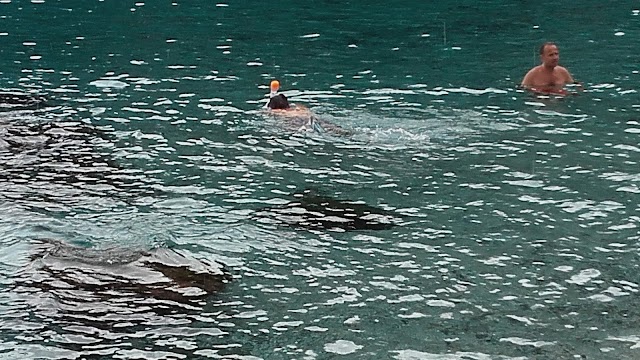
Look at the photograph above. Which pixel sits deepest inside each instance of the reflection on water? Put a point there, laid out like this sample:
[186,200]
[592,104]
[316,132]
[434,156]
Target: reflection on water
[458,217]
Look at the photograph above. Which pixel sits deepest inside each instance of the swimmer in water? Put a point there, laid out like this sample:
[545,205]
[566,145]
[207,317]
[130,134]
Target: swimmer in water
[548,77]
[297,116]
[280,102]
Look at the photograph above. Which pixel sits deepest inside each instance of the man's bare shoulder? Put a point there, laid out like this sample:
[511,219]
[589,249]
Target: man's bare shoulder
[530,76]
[533,70]
[566,75]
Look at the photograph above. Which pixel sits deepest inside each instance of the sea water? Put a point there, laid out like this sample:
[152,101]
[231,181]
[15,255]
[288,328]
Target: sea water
[515,217]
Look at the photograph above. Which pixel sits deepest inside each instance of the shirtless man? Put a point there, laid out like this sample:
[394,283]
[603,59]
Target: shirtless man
[548,77]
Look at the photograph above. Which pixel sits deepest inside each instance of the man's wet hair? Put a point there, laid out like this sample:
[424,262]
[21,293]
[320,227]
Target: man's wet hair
[548,43]
[278,102]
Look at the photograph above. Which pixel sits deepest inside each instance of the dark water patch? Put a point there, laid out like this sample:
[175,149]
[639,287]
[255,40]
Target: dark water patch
[311,210]
[48,161]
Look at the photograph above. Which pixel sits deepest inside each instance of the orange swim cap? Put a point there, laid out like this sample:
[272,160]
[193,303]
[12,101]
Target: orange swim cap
[275,85]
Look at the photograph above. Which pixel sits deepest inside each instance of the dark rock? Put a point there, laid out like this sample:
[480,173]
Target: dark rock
[161,273]
[18,100]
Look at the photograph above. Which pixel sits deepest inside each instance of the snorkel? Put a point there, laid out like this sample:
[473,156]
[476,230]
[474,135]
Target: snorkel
[275,86]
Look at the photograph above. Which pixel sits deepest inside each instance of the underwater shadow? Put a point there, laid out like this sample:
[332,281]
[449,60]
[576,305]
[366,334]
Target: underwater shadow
[311,210]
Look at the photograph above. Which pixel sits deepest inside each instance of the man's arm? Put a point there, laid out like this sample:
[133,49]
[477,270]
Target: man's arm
[568,79]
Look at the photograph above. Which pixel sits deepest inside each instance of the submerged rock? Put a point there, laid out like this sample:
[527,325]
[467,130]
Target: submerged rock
[73,160]
[313,211]
[19,100]
[161,273]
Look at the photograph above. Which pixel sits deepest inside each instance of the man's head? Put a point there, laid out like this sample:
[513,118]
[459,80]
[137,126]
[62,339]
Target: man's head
[278,102]
[549,54]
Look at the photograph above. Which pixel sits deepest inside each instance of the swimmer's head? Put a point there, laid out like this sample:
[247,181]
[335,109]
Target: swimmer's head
[541,50]
[278,102]
[275,86]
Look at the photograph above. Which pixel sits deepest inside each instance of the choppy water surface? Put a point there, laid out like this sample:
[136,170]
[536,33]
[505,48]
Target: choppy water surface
[150,209]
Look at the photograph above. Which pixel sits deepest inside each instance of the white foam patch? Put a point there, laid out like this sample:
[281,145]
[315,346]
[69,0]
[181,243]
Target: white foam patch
[316,329]
[475,91]
[632,339]
[109,84]
[427,248]
[584,276]
[526,183]
[460,355]
[352,320]
[285,324]
[601,297]
[521,319]
[521,341]
[440,303]
[220,108]
[564,268]
[342,347]
[407,298]
[414,315]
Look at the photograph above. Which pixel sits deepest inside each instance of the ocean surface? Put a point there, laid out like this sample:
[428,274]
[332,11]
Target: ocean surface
[151,209]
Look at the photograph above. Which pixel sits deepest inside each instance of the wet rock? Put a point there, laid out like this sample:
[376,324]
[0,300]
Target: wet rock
[20,100]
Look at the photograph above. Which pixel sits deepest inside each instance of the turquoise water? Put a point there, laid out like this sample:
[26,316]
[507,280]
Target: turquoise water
[515,226]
